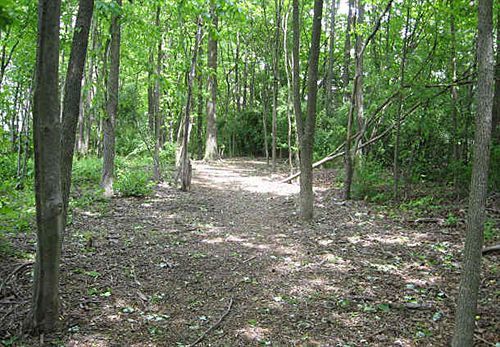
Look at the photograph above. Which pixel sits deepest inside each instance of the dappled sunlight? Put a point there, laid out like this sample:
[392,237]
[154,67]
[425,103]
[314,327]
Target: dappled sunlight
[90,340]
[253,333]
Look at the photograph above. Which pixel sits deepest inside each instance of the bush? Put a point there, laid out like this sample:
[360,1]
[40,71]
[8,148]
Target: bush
[167,154]
[371,181]
[134,183]
[87,170]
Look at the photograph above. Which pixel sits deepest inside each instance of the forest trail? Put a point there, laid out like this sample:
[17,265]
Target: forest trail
[161,271]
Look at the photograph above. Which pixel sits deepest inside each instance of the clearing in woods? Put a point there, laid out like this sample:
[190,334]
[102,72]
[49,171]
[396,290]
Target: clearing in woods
[230,264]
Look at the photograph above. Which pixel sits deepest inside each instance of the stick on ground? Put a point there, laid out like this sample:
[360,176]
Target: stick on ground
[215,325]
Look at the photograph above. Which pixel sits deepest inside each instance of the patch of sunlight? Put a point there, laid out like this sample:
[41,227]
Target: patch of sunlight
[336,262]
[233,238]
[94,340]
[325,242]
[213,241]
[389,268]
[253,245]
[253,333]
[391,240]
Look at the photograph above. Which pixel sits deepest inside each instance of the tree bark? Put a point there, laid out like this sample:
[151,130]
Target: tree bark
[199,121]
[156,104]
[330,71]
[307,127]
[73,94]
[276,52]
[108,167]
[471,264]
[185,164]
[400,107]
[211,151]
[47,143]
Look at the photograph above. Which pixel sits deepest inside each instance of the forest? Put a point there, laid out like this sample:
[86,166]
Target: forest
[249,173]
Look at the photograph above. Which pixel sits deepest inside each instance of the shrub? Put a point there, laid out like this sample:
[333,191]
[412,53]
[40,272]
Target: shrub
[134,183]
[87,170]
[371,181]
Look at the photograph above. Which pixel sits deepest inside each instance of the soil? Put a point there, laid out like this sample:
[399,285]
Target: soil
[230,263]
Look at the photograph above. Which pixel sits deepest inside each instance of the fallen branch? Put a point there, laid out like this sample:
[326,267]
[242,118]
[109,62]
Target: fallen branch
[202,337]
[13,273]
[491,249]
[369,142]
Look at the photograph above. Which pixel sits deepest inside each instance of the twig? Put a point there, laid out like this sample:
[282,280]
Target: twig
[492,249]
[16,270]
[483,340]
[213,326]
[244,262]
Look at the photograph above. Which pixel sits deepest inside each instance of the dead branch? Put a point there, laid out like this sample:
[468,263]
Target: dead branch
[215,325]
[491,249]
[13,273]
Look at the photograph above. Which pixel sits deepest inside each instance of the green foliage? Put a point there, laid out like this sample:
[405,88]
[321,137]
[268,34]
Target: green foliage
[134,183]
[87,170]
[167,154]
[371,182]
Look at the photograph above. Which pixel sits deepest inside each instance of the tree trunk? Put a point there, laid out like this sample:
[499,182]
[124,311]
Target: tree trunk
[454,97]
[73,94]
[185,164]
[347,52]
[400,106]
[211,151]
[496,105]
[156,105]
[108,167]
[47,142]
[471,265]
[276,52]
[306,128]
[356,107]
[199,121]
[330,73]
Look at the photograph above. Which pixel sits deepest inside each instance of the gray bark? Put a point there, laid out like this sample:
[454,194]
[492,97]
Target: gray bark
[307,127]
[211,151]
[47,143]
[471,264]
[185,163]
[72,95]
[276,53]
[108,167]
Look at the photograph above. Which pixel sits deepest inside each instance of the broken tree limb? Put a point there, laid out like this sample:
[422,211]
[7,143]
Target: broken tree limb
[336,155]
[491,249]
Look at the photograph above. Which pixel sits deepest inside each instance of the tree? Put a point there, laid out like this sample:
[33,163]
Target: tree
[184,169]
[306,127]
[211,152]
[47,142]
[72,94]
[108,167]
[471,264]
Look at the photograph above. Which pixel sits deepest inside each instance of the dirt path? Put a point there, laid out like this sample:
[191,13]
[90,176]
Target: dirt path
[161,271]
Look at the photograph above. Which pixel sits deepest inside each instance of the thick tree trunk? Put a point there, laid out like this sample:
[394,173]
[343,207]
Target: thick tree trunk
[47,141]
[307,127]
[471,265]
[108,167]
[73,94]
[496,102]
[211,151]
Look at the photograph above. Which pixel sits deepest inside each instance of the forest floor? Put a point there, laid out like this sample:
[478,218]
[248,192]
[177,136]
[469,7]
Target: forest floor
[230,263]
